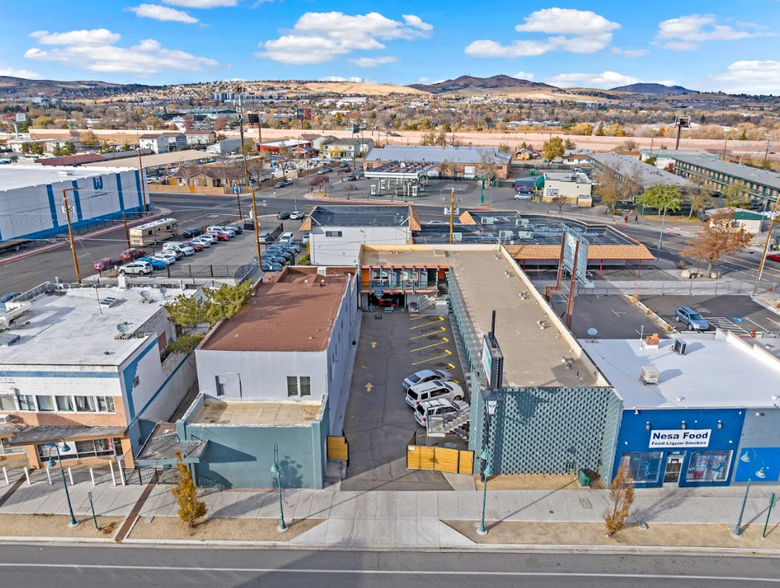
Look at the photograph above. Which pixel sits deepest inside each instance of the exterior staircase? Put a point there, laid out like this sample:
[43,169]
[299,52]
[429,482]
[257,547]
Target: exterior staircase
[438,426]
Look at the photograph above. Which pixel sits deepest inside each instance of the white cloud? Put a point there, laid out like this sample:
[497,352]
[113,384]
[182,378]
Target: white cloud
[354,79]
[319,37]
[576,31]
[81,38]
[524,75]
[606,79]
[82,49]
[750,77]
[19,73]
[162,13]
[373,61]
[416,22]
[686,32]
[629,52]
[202,3]
[422,80]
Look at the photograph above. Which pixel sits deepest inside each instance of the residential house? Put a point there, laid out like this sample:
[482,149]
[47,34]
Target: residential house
[196,138]
[156,142]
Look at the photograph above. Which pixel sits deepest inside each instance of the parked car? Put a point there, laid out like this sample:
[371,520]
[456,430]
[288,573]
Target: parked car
[132,253]
[191,232]
[352,178]
[280,253]
[343,164]
[692,319]
[523,196]
[773,257]
[438,407]
[8,296]
[166,257]
[433,389]
[283,216]
[264,237]
[203,241]
[157,264]
[136,268]
[212,237]
[280,185]
[195,245]
[237,229]
[297,215]
[218,229]
[179,247]
[274,259]
[426,376]
[305,239]
[287,237]
[107,263]
[271,267]
[219,236]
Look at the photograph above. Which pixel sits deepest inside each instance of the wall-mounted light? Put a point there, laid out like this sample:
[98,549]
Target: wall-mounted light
[683,425]
[720,424]
[647,425]
[636,411]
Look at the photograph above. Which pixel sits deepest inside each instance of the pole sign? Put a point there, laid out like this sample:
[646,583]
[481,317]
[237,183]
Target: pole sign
[21,117]
[492,362]
[667,438]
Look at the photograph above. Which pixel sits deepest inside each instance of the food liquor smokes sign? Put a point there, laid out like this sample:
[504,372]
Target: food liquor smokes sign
[680,438]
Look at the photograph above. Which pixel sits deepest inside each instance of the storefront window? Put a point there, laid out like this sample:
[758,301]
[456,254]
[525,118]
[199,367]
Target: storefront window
[45,403]
[6,448]
[108,447]
[708,466]
[643,466]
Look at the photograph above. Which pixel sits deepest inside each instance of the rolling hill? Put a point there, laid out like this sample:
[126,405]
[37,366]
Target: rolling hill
[499,82]
[655,89]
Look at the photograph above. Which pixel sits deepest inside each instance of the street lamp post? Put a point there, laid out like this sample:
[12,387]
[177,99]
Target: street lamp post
[663,221]
[482,530]
[275,469]
[761,474]
[65,447]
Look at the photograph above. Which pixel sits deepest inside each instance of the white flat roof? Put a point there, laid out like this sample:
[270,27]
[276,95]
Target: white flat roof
[13,177]
[718,371]
[67,327]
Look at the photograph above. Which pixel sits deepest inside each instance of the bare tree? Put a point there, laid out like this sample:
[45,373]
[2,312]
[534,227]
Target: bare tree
[720,236]
[621,497]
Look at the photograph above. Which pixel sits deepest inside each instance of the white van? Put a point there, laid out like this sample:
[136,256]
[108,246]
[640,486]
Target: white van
[433,389]
[287,237]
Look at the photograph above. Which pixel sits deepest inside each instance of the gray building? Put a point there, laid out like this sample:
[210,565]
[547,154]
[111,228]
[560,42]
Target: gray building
[274,373]
[640,174]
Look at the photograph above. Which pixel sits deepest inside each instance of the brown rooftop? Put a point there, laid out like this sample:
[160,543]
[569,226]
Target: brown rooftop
[294,314]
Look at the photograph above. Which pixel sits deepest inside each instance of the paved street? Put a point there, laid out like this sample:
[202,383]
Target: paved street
[96,567]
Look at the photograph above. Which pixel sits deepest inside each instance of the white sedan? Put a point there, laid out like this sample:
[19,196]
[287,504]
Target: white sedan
[166,258]
[426,376]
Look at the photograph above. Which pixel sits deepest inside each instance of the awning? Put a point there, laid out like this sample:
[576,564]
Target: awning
[163,443]
[8,431]
[53,433]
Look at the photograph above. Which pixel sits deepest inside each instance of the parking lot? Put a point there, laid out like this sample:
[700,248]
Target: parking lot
[378,423]
[736,314]
[612,316]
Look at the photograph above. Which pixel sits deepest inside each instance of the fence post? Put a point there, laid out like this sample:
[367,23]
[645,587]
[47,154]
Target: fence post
[48,475]
[690,290]
[113,477]
[140,478]
[663,283]
[70,475]
[92,476]
[121,473]
[5,475]
[211,269]
[27,475]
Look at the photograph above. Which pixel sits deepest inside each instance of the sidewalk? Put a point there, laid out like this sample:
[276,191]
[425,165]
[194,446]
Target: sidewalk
[676,517]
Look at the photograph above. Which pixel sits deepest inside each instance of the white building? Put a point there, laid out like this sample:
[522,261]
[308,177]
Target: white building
[87,366]
[31,198]
[196,137]
[336,233]
[574,187]
[224,147]
[156,142]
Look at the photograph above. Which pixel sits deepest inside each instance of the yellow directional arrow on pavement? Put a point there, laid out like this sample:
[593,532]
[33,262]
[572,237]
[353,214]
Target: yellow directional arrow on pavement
[369,386]
[443,340]
[373,344]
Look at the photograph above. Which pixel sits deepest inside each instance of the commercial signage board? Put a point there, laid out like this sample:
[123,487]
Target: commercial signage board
[667,438]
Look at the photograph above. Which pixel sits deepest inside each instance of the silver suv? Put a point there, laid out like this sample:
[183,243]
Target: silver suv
[433,389]
[136,268]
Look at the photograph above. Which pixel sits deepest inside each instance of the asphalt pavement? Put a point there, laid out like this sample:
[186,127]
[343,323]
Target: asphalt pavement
[33,566]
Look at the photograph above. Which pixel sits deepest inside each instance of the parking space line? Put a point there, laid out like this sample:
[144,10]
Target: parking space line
[444,340]
[440,320]
[447,353]
[441,330]
[417,318]
[724,324]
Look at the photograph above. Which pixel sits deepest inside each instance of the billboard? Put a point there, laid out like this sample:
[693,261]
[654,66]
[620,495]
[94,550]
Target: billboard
[304,114]
[572,237]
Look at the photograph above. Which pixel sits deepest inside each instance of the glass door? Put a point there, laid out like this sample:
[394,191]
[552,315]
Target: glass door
[673,468]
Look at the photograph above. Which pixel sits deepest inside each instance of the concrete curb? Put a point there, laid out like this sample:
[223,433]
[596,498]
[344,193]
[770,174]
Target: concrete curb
[757,300]
[139,221]
[58,540]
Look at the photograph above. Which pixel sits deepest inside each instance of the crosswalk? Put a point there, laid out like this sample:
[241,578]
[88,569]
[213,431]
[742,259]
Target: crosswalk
[725,324]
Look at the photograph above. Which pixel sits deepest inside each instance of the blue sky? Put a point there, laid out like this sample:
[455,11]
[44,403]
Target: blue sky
[713,45]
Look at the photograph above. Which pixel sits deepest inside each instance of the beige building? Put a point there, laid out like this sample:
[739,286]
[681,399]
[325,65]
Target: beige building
[574,187]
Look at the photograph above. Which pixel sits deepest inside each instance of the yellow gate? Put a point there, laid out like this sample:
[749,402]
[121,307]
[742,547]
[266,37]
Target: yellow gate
[338,448]
[440,459]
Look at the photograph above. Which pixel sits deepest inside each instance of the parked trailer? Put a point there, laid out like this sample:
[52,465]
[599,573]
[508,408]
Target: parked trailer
[153,232]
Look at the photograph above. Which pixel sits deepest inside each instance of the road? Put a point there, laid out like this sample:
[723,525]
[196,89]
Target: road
[97,567]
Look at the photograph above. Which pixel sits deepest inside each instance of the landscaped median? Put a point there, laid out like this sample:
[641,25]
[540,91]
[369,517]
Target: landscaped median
[38,526]
[171,528]
[593,534]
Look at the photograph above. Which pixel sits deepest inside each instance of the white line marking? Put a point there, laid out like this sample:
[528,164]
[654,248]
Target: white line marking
[387,572]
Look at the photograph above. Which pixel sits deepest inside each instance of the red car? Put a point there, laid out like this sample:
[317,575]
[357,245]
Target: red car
[107,263]
[129,254]
[220,236]
[773,257]
[195,246]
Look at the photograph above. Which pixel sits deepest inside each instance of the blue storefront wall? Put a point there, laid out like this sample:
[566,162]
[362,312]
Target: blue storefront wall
[761,441]
[712,465]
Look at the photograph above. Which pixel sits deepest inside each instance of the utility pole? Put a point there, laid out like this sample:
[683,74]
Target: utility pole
[127,231]
[70,231]
[243,151]
[141,172]
[766,152]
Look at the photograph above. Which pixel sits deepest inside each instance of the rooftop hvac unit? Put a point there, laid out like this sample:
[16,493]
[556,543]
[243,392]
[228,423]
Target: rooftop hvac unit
[680,346]
[649,375]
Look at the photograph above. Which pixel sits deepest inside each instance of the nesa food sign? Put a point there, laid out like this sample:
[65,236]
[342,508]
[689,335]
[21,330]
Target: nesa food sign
[680,438]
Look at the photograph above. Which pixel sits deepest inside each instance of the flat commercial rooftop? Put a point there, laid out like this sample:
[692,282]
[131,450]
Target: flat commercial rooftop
[642,173]
[358,216]
[13,177]
[78,327]
[718,371]
[436,154]
[157,160]
[294,314]
[770,179]
[489,281]
[220,412]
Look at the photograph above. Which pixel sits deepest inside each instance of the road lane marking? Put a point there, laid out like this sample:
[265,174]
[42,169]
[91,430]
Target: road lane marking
[374,572]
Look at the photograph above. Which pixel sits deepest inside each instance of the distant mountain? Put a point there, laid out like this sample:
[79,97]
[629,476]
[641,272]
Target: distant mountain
[11,87]
[656,89]
[474,83]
